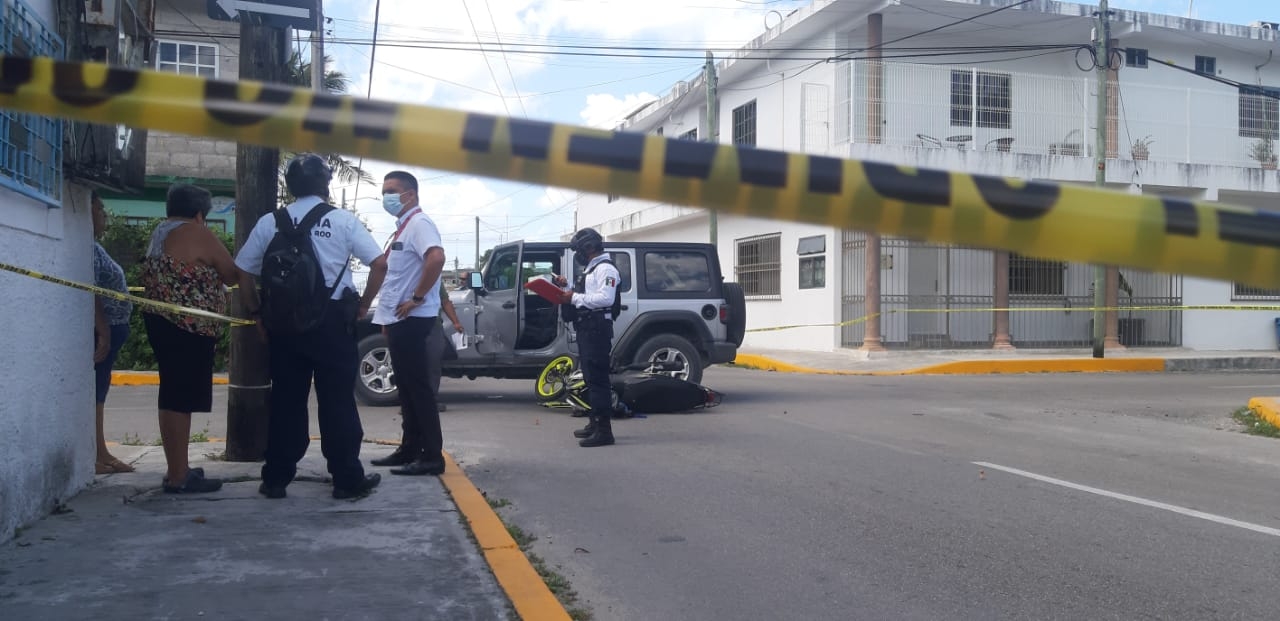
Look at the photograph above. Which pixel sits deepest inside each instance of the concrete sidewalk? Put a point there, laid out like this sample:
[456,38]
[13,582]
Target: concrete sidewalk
[124,550]
[980,361]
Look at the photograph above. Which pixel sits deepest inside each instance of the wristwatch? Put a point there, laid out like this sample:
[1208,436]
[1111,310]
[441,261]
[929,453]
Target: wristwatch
[419,299]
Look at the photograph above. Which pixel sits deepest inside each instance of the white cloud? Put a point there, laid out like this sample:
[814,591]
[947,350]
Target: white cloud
[606,111]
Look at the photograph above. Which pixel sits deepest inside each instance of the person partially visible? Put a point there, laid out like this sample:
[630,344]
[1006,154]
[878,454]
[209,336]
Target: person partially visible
[111,330]
[594,297]
[321,353]
[187,265]
[438,344]
[409,311]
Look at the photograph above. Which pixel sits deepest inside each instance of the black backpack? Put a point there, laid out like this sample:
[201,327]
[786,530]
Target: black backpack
[569,312]
[294,296]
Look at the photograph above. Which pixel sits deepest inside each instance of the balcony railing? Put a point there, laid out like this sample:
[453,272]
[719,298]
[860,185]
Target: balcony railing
[986,109]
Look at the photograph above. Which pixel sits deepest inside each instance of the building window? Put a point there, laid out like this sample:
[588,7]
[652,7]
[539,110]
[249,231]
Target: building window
[188,58]
[744,124]
[1028,276]
[1207,65]
[1259,111]
[994,99]
[1247,292]
[30,145]
[758,265]
[813,262]
[1135,57]
[689,135]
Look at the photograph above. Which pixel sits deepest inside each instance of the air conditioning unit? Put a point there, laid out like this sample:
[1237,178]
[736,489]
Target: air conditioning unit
[1266,25]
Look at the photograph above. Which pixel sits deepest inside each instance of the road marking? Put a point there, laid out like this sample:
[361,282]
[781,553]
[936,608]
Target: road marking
[1266,530]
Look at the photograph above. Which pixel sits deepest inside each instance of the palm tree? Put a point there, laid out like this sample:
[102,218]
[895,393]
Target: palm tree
[298,73]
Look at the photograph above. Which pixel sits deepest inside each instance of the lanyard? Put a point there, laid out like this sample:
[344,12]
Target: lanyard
[400,229]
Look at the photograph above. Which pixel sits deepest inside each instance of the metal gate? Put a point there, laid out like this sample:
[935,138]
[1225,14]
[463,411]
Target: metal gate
[936,296]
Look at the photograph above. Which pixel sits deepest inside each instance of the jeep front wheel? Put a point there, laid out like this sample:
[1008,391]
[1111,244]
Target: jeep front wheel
[672,348]
[375,380]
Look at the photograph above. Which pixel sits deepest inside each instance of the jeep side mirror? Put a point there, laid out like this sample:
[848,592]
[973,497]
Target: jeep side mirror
[477,281]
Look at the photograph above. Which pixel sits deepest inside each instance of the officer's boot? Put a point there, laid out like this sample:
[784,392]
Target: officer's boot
[586,432]
[602,435]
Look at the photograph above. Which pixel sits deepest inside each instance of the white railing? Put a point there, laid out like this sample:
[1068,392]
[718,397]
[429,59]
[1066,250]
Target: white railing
[931,106]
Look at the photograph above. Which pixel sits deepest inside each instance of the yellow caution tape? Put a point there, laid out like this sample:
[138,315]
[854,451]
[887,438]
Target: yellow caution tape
[1033,218]
[1069,309]
[110,293]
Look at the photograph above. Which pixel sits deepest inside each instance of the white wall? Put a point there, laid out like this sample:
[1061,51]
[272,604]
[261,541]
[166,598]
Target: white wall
[46,368]
[1224,330]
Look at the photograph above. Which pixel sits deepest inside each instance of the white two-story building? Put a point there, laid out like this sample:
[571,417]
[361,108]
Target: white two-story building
[1010,93]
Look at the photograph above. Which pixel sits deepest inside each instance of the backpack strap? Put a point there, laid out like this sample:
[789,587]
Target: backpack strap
[284,224]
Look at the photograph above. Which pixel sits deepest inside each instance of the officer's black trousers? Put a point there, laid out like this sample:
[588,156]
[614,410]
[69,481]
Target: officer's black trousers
[595,341]
[407,342]
[326,354]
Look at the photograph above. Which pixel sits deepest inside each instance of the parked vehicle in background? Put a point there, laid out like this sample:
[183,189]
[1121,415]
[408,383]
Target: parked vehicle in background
[676,309]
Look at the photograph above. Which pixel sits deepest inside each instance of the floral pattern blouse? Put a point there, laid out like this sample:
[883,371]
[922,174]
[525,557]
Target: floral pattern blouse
[167,279]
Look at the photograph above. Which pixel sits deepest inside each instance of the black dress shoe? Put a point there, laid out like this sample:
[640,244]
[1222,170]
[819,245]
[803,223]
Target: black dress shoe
[360,490]
[400,457]
[421,467]
[272,491]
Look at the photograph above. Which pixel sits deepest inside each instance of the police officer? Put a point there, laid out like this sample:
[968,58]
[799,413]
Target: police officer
[326,353]
[593,297]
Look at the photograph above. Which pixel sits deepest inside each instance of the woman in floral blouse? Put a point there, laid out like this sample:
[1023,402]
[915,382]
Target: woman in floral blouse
[187,265]
[111,329]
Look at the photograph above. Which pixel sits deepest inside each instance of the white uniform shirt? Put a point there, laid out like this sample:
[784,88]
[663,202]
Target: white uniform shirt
[406,258]
[601,285]
[338,236]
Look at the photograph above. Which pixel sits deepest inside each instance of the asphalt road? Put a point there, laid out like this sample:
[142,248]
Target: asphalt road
[1119,496]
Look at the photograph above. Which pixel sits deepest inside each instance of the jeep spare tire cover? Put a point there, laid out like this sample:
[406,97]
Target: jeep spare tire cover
[737,301]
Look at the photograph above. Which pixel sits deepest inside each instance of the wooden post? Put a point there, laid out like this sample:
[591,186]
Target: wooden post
[261,58]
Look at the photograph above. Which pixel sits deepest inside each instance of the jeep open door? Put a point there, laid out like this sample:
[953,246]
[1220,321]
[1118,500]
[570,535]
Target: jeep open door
[497,315]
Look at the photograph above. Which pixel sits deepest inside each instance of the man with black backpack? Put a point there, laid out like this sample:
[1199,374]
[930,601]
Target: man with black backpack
[592,306]
[308,308]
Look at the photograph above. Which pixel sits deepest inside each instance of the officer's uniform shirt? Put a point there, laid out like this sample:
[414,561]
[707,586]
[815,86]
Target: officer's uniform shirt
[406,259]
[600,287]
[338,236]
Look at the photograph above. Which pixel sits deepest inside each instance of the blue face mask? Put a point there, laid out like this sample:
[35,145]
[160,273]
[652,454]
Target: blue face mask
[391,203]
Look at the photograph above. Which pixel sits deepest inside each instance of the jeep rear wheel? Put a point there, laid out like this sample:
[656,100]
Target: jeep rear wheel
[375,379]
[672,348]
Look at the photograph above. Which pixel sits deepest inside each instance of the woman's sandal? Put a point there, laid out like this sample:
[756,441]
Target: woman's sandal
[112,466]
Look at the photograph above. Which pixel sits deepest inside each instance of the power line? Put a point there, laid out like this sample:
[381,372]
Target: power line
[505,60]
[486,59]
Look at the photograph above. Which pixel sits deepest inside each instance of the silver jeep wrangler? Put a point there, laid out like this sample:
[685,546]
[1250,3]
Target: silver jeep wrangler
[676,308]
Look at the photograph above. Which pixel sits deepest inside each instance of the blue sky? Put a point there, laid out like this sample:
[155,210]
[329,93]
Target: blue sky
[582,90]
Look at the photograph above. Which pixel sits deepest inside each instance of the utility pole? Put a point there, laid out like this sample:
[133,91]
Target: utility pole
[477,261]
[1102,49]
[262,58]
[713,124]
[317,50]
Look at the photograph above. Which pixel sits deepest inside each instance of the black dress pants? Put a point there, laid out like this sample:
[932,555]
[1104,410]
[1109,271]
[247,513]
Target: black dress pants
[407,342]
[327,355]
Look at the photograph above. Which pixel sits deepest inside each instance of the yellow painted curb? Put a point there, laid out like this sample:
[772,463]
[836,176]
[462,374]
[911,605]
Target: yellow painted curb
[1056,365]
[524,587]
[1268,408]
[976,367]
[146,378]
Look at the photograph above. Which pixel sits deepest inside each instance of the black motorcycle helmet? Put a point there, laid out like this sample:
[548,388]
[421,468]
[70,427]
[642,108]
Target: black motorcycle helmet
[585,243]
[308,174]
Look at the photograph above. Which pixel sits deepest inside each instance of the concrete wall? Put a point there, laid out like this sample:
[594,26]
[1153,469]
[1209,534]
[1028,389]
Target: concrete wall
[46,377]
[171,155]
